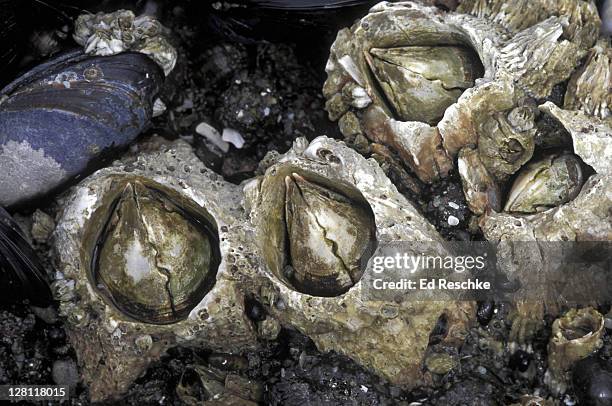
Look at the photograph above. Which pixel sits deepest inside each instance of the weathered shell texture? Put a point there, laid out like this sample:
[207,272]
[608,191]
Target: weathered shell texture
[388,337]
[381,74]
[175,205]
[590,87]
[58,117]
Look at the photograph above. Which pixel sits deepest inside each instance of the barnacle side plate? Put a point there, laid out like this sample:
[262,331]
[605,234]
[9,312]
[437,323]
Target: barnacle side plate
[148,254]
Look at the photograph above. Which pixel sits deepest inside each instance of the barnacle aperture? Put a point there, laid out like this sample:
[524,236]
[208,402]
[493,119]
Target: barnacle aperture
[155,257]
[328,235]
[421,82]
[547,182]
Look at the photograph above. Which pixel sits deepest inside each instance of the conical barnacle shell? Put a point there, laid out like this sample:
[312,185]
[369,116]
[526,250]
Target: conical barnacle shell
[548,182]
[328,235]
[583,19]
[155,258]
[389,338]
[506,140]
[590,87]
[575,336]
[529,63]
[147,256]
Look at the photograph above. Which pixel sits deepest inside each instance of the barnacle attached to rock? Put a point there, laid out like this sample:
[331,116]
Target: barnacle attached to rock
[585,218]
[148,258]
[548,182]
[575,336]
[482,96]
[342,209]
[120,31]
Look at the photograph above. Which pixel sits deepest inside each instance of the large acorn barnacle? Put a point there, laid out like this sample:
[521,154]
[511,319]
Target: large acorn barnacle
[155,258]
[328,236]
[148,253]
[324,212]
[420,82]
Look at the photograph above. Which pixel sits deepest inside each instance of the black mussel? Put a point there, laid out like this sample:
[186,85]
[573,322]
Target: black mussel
[22,275]
[592,378]
[59,117]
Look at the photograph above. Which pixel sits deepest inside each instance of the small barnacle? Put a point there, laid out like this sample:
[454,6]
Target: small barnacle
[575,336]
[119,31]
[547,182]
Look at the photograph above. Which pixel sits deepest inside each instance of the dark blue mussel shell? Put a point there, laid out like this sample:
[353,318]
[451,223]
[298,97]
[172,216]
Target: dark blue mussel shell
[56,119]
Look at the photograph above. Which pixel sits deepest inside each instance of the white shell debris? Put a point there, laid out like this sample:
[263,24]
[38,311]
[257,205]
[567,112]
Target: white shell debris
[159,107]
[453,221]
[211,134]
[233,137]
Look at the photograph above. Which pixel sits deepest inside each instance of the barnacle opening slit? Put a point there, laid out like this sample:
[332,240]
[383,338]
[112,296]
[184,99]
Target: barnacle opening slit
[155,255]
[418,83]
[324,235]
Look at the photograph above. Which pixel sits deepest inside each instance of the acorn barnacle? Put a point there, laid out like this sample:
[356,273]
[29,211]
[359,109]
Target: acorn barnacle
[156,255]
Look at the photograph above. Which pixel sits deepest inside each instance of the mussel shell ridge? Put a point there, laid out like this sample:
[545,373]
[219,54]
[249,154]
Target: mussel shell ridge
[153,254]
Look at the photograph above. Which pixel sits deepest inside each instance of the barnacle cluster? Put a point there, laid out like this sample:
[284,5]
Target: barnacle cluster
[120,31]
[159,251]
